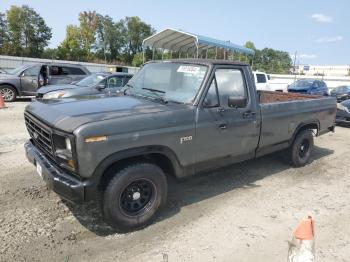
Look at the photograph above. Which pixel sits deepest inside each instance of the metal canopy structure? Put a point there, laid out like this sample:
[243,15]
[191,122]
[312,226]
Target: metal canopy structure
[179,41]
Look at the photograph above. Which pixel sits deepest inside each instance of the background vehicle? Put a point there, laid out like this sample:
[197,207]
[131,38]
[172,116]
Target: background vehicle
[177,118]
[309,86]
[341,93]
[25,80]
[97,83]
[261,81]
[343,112]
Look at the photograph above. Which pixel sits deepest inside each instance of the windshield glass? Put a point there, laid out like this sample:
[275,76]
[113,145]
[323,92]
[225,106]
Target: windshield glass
[342,89]
[175,82]
[17,70]
[302,84]
[91,80]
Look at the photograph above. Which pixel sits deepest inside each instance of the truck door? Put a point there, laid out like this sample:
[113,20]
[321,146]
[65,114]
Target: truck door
[225,133]
[29,79]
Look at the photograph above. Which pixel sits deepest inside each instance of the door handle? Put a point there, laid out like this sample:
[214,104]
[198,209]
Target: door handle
[223,126]
[249,114]
[220,110]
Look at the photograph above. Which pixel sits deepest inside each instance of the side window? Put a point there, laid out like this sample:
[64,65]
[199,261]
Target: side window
[114,82]
[212,98]
[260,78]
[230,83]
[32,71]
[75,71]
[58,71]
[315,84]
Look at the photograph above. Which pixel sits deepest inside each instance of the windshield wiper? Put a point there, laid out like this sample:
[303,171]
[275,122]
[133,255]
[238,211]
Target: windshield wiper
[154,90]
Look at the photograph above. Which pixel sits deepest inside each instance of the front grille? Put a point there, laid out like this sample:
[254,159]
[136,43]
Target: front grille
[40,134]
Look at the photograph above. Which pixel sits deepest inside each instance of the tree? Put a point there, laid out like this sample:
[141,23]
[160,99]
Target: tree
[28,33]
[89,22]
[3,33]
[134,31]
[72,46]
[109,39]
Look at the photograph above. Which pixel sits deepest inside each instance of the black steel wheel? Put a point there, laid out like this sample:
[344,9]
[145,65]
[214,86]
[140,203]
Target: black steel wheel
[300,150]
[134,195]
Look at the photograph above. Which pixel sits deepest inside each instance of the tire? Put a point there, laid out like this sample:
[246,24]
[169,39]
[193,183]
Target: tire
[134,195]
[300,150]
[8,93]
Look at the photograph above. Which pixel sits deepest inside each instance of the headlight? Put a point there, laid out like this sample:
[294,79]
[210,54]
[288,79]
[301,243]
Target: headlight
[343,108]
[63,151]
[54,95]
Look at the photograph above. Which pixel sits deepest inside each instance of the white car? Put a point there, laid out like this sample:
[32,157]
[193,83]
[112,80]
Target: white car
[261,81]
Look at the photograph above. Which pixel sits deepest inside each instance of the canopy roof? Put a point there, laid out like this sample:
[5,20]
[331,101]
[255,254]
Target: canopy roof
[176,40]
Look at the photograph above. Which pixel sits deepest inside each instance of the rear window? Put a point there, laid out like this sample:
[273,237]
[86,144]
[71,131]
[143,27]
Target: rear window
[260,78]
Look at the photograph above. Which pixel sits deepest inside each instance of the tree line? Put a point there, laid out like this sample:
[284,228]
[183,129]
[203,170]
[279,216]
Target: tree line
[100,38]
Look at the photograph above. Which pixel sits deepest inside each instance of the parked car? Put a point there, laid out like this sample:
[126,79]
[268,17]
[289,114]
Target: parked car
[27,79]
[94,84]
[341,93]
[343,112]
[176,118]
[261,81]
[309,86]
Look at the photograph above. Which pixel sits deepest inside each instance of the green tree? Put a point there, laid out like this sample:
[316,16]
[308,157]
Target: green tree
[72,46]
[89,22]
[3,33]
[28,33]
[134,31]
[109,39]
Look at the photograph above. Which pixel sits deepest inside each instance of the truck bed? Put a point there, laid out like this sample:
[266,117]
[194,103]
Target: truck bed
[282,114]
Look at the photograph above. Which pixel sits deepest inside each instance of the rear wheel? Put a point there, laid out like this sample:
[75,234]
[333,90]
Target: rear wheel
[300,150]
[8,93]
[134,195]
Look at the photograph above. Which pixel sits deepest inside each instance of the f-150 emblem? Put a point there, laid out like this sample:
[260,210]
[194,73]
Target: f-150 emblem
[35,135]
[185,139]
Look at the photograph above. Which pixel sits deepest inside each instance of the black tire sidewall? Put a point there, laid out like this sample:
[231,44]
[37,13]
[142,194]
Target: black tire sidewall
[14,92]
[112,210]
[297,160]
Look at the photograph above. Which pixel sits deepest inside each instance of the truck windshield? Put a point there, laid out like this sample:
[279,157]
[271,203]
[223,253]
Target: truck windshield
[171,81]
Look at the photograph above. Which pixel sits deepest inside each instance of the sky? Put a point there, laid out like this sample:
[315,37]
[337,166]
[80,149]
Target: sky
[318,30]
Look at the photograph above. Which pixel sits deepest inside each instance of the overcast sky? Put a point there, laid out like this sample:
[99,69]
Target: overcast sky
[318,30]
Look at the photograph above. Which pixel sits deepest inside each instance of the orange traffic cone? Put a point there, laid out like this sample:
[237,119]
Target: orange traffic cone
[302,246]
[2,102]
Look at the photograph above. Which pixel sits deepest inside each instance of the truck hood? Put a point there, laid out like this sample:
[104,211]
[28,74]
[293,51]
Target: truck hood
[68,114]
[47,89]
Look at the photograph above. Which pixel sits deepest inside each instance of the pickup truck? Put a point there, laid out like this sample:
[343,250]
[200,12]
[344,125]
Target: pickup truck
[174,118]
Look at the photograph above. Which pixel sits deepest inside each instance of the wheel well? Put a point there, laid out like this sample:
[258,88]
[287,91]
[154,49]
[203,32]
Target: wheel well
[156,158]
[5,84]
[311,126]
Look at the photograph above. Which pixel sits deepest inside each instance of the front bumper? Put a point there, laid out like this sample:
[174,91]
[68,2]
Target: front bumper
[57,179]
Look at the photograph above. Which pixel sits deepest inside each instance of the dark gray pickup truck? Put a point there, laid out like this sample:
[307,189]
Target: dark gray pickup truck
[175,118]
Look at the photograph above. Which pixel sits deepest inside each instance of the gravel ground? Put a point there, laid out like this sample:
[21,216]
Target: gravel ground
[246,212]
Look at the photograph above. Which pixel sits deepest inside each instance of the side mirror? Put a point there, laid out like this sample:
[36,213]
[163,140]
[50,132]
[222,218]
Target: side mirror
[237,101]
[100,86]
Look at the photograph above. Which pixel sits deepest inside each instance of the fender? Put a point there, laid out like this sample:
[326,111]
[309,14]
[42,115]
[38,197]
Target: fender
[314,123]
[135,152]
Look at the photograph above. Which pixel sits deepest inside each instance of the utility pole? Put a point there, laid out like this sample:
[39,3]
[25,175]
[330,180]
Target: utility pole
[295,58]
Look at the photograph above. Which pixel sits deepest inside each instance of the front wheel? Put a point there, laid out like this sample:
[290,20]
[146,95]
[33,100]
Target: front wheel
[134,195]
[8,93]
[300,150]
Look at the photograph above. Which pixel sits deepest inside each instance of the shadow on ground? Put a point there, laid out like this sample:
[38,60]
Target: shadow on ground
[198,188]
